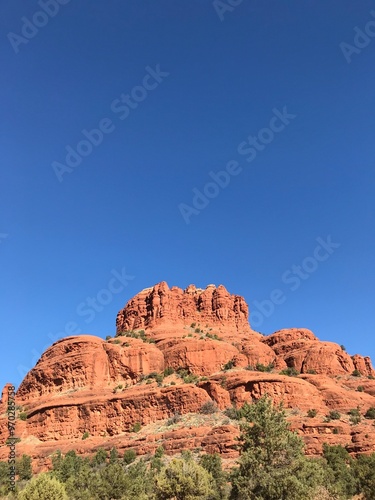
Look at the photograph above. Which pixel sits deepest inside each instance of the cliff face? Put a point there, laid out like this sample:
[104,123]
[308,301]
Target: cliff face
[84,384]
[161,306]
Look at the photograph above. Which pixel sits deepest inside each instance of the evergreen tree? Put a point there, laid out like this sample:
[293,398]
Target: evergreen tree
[43,487]
[23,468]
[129,456]
[4,478]
[68,466]
[112,482]
[364,470]
[140,482]
[84,485]
[113,456]
[100,457]
[272,465]
[183,479]
[213,465]
[339,470]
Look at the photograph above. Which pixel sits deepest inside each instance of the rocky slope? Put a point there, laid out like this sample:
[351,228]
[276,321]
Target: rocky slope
[86,386]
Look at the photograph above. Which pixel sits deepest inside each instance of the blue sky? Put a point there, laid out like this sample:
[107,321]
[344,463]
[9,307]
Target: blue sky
[76,245]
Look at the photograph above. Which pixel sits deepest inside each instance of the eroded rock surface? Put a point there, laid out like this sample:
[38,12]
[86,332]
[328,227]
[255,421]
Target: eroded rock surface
[84,384]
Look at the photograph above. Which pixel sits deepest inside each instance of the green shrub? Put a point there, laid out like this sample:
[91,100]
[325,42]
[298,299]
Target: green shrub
[355,419]
[183,479]
[333,415]
[264,368]
[113,456]
[229,365]
[182,372]
[360,388]
[370,413]
[22,415]
[311,372]
[136,427]
[290,371]
[129,456]
[354,412]
[312,413]
[100,457]
[213,336]
[108,337]
[159,452]
[354,416]
[191,379]
[23,467]
[232,413]
[43,487]
[356,373]
[208,407]
[12,440]
[335,430]
[192,325]
[85,435]
[343,347]
[117,341]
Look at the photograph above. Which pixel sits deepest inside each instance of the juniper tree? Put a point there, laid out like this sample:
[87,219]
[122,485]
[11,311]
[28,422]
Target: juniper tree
[272,465]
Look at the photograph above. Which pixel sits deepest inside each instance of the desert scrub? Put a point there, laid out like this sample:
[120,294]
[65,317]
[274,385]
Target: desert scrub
[264,368]
[208,407]
[174,419]
[136,427]
[229,365]
[290,372]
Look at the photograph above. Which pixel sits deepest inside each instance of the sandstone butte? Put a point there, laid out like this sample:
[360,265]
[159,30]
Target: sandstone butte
[87,386]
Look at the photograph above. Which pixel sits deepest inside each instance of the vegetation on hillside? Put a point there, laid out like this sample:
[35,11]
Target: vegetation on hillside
[271,466]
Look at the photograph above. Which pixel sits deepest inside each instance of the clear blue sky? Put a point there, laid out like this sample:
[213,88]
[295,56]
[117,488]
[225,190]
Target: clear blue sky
[218,84]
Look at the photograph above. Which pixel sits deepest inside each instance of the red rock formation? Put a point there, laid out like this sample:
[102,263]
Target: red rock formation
[363,365]
[86,363]
[201,357]
[300,349]
[85,384]
[5,396]
[166,306]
